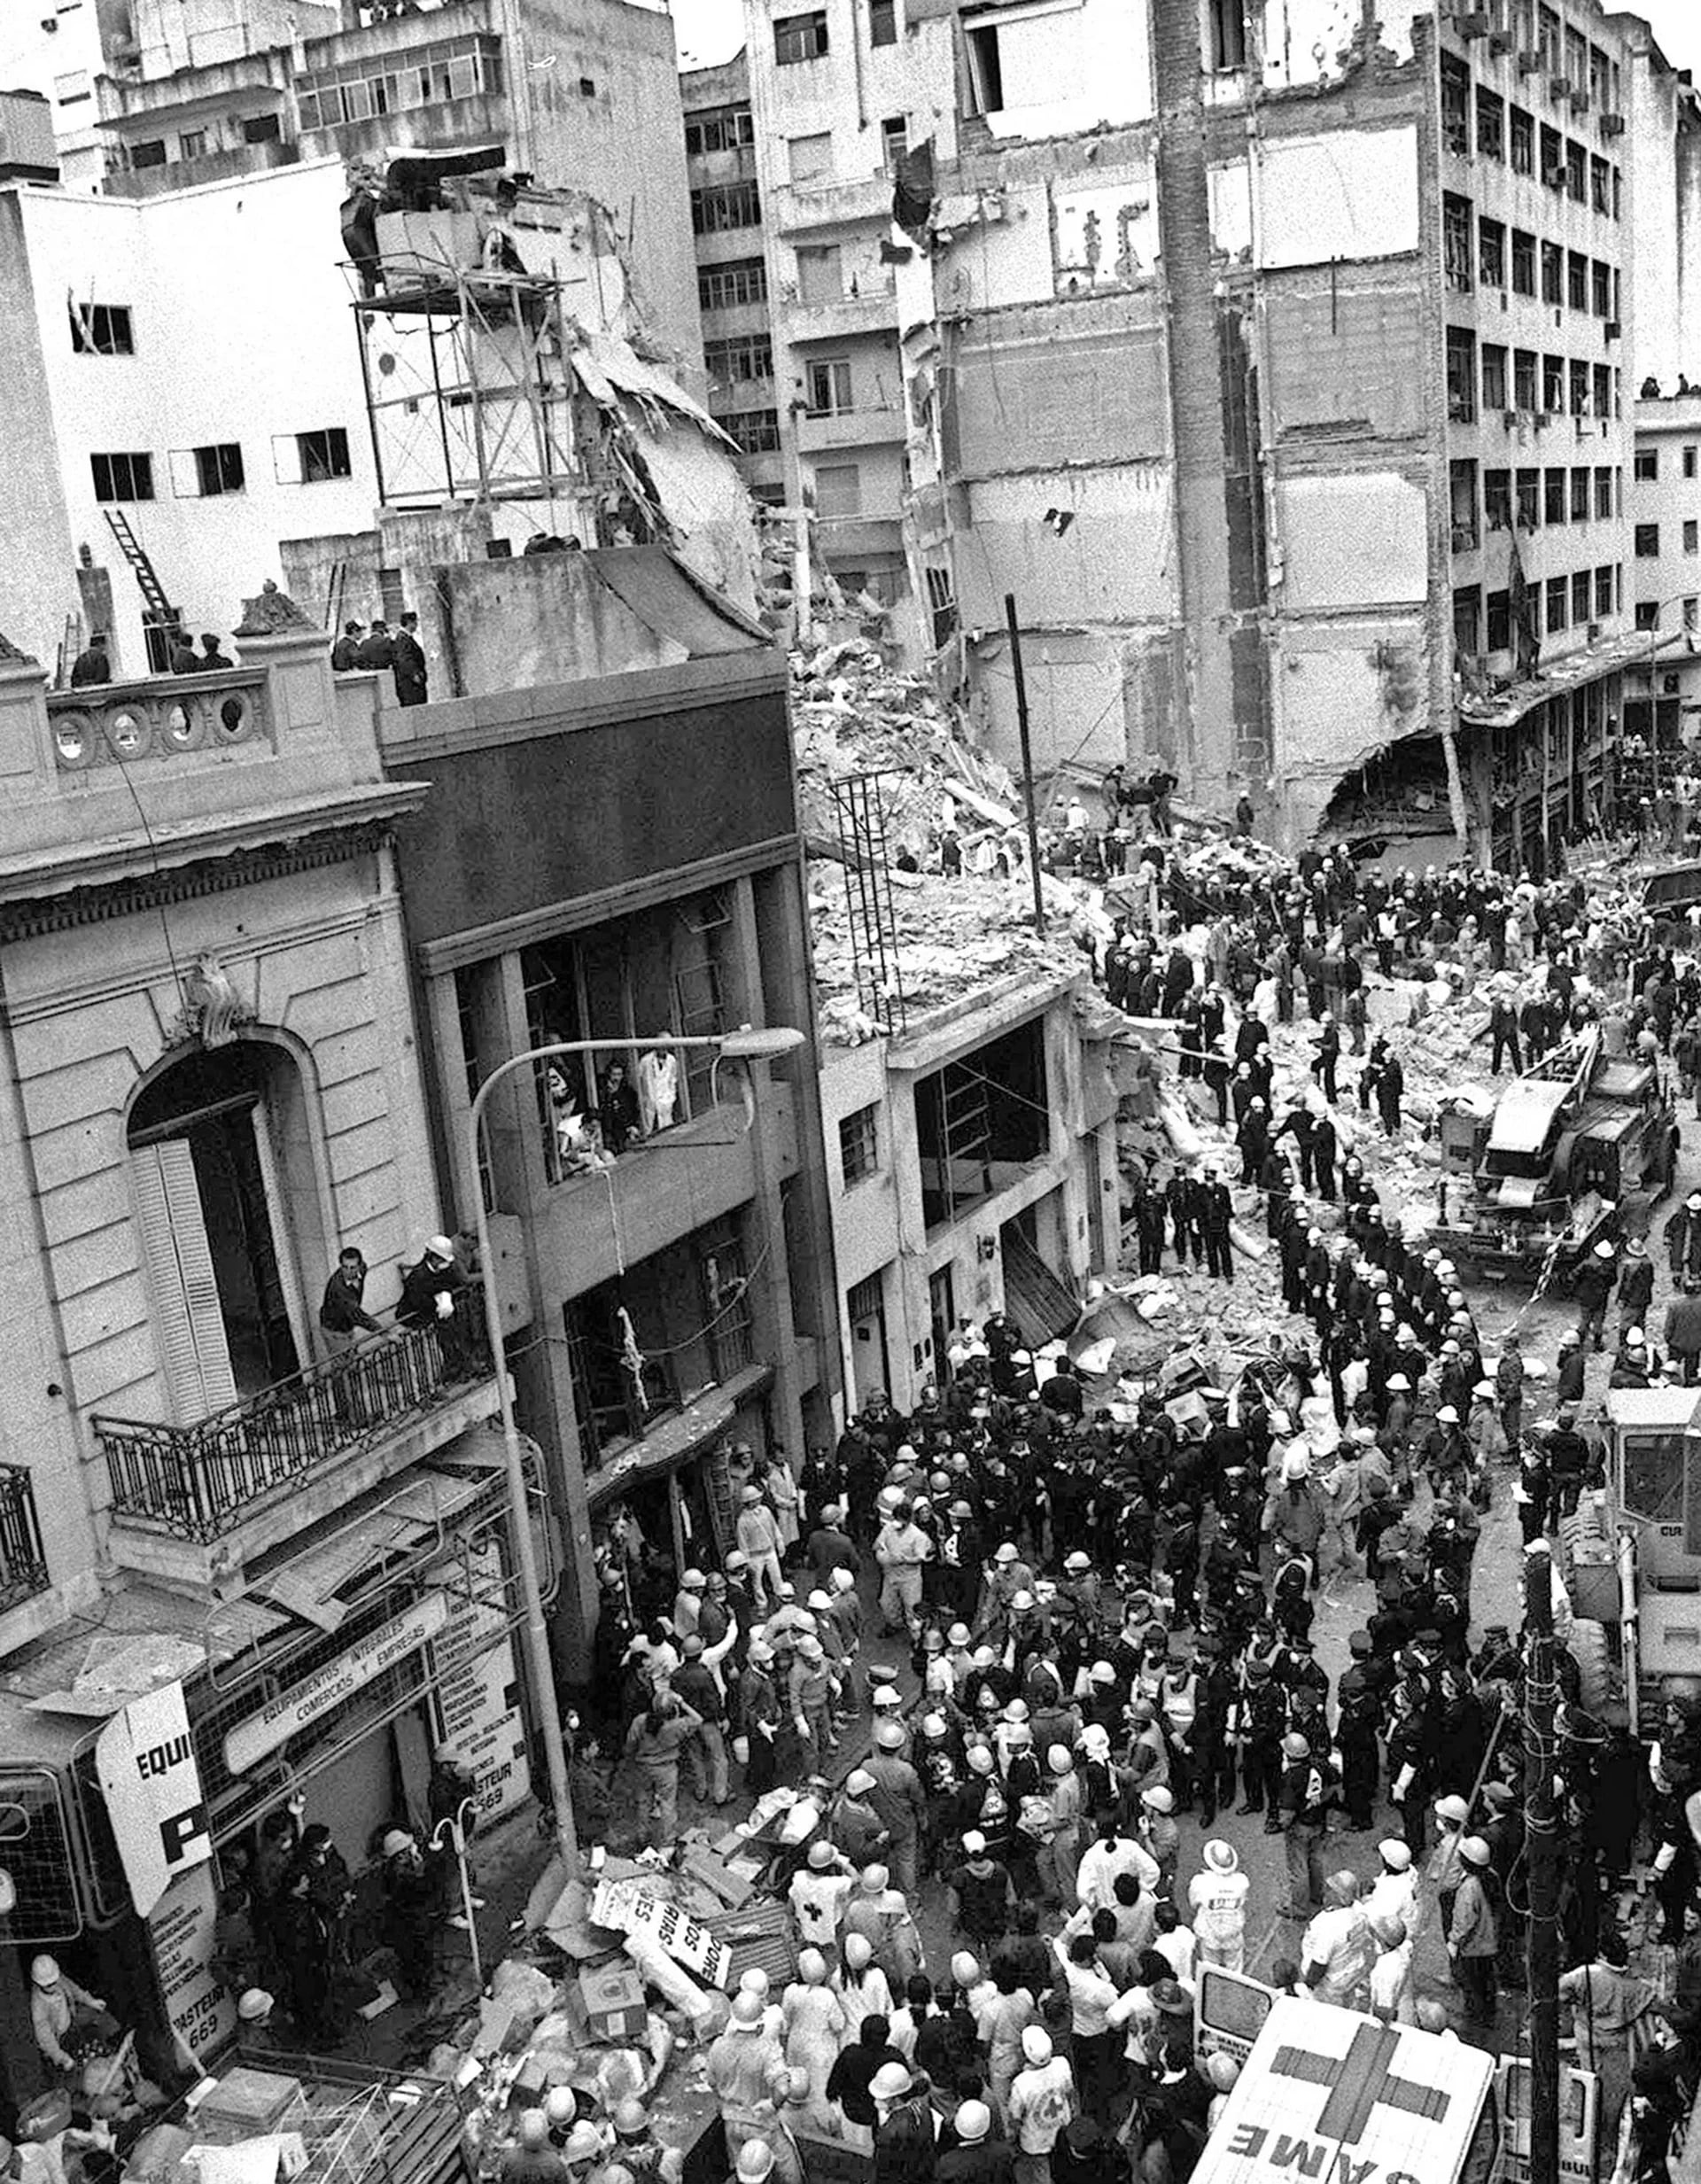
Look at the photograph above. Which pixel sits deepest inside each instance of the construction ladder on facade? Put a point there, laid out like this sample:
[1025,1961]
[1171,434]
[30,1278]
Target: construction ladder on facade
[146,576]
[966,1134]
[718,1484]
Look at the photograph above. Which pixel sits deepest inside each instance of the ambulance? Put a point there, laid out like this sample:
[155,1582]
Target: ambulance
[1330,2097]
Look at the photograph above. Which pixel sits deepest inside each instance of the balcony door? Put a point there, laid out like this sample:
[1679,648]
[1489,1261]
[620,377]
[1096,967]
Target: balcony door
[215,1233]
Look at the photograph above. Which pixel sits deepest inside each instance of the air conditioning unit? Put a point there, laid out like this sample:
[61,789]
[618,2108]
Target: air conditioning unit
[1500,41]
[1529,60]
[1509,418]
[1593,633]
[1612,125]
[1580,102]
[1472,25]
[1559,88]
[1543,419]
[1504,303]
[1554,176]
[1613,330]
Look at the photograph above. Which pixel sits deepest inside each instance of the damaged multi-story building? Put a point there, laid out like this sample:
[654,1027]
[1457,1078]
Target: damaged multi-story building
[1271,354]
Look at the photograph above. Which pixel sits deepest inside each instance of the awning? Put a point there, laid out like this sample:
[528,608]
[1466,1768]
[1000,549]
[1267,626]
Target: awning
[675,1440]
[1500,708]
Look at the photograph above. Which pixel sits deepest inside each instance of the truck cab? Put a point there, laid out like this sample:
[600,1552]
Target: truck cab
[1326,2092]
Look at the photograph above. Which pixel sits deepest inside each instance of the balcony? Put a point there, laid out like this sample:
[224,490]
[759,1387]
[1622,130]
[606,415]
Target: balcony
[23,1566]
[880,425]
[166,717]
[222,166]
[798,208]
[194,1502]
[872,310]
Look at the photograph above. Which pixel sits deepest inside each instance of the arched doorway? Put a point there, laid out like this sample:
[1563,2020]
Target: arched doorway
[222,1165]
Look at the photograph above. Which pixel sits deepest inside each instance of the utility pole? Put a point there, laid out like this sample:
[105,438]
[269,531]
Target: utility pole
[1027,758]
[1541,1859]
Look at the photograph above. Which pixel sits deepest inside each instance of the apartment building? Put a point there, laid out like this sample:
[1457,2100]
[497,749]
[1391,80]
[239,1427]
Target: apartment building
[837,94]
[720,162]
[1205,353]
[1663,140]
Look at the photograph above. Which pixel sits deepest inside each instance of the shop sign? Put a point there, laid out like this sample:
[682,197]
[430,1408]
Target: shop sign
[183,1925]
[336,1683]
[146,1759]
[629,1908]
[478,1682]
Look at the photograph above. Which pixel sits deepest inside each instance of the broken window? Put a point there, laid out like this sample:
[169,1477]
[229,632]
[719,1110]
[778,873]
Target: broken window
[1462,490]
[799,38]
[102,330]
[1498,633]
[1455,240]
[202,473]
[985,74]
[1461,375]
[1520,139]
[1524,379]
[1493,377]
[1553,497]
[734,363]
[719,128]
[1467,621]
[1497,500]
[752,432]
[1529,500]
[859,1144]
[980,1121]
[1455,105]
[1491,254]
[894,141]
[1523,263]
[1491,124]
[942,605]
[1226,32]
[829,387]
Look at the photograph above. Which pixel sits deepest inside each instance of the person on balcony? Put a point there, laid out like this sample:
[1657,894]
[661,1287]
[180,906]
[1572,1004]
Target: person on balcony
[430,1292]
[343,1318]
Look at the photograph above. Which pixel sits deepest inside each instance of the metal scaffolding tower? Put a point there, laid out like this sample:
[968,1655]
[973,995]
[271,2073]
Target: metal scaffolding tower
[861,816]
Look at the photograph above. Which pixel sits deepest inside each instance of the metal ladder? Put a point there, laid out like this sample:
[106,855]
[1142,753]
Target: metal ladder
[132,550]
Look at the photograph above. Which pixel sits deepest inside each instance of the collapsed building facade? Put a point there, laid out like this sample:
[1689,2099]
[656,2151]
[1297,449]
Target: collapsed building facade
[1272,358]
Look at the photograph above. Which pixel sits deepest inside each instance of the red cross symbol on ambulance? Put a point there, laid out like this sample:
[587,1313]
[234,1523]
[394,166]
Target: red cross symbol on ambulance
[1359,2081]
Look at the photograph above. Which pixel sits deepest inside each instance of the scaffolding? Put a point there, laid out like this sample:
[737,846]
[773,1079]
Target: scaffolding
[861,815]
[469,383]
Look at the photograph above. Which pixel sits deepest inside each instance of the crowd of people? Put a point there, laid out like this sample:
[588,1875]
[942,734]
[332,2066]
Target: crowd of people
[1109,1609]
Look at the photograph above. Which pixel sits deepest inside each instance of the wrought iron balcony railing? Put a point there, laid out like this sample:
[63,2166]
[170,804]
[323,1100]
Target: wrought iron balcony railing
[23,1566]
[202,1481]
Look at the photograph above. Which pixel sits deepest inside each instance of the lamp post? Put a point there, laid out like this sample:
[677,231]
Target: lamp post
[455,1825]
[745,1045]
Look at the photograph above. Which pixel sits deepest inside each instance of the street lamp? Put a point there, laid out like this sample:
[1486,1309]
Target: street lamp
[747,1043]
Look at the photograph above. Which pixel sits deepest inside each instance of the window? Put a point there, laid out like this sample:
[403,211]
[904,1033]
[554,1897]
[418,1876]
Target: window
[202,473]
[1497,500]
[821,273]
[262,129]
[1520,139]
[737,281]
[1553,384]
[1524,379]
[1691,605]
[894,141]
[799,38]
[1491,125]
[1645,466]
[1461,375]
[985,69]
[1647,614]
[733,364]
[1600,289]
[192,144]
[829,387]
[150,154]
[1493,377]
[1553,273]
[1605,401]
[1577,281]
[122,478]
[70,90]
[1604,493]
[1689,462]
[1691,534]
[1580,394]
[1462,492]
[1647,542]
[1553,158]
[1529,500]
[809,156]
[942,605]
[883,22]
[1558,605]
[1227,25]
[1553,498]
[1523,263]
[1600,185]
[719,207]
[1455,240]
[753,431]
[1579,598]
[312,458]
[719,128]
[1603,587]
[1491,253]
[1498,634]
[1580,496]
[859,1144]
[1576,173]
[1455,105]
[838,489]
[1467,619]
[102,330]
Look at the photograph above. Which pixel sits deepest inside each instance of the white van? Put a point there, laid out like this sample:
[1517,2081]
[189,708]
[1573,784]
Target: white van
[1332,2097]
